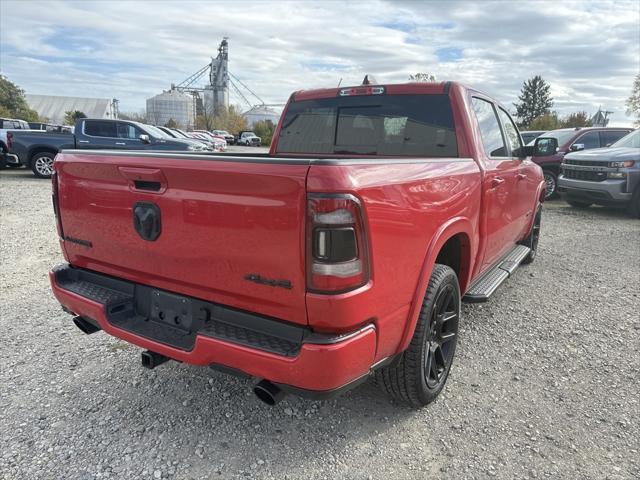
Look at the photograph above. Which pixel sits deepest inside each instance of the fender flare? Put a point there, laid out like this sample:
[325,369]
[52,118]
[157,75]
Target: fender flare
[538,201]
[454,226]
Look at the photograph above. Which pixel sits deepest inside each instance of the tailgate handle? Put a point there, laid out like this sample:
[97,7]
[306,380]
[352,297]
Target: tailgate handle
[146,179]
[145,185]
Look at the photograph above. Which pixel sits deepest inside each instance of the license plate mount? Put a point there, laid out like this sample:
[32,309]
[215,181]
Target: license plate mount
[173,310]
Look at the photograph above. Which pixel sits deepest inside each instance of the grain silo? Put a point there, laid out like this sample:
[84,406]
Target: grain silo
[171,105]
[261,112]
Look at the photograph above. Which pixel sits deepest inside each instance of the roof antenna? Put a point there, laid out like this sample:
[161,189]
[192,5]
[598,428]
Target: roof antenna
[369,80]
[340,82]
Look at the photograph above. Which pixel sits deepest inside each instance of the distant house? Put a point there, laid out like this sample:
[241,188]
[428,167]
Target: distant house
[55,107]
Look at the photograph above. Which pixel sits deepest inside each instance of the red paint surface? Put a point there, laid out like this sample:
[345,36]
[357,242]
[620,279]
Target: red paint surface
[222,220]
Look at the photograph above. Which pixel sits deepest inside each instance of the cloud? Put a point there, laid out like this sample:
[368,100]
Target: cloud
[589,51]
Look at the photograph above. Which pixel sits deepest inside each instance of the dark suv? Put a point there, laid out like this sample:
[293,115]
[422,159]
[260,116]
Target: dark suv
[573,140]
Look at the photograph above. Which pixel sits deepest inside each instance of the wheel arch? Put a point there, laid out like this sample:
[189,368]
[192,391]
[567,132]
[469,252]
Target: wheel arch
[451,244]
[36,149]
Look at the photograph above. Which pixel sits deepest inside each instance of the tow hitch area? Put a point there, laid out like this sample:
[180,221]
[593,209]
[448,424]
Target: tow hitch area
[151,360]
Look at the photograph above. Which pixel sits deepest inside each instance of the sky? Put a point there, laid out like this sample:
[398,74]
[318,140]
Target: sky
[589,51]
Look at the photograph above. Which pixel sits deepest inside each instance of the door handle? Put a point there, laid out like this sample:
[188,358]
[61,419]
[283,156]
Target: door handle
[120,143]
[521,176]
[496,182]
[83,141]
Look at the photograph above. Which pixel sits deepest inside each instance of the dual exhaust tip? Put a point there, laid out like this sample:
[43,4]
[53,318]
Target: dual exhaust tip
[265,390]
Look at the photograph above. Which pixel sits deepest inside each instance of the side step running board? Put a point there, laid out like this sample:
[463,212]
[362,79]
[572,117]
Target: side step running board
[482,289]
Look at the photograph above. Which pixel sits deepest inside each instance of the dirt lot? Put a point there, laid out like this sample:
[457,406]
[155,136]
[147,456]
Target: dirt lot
[545,383]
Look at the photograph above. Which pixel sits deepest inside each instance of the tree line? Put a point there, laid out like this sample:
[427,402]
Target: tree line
[533,110]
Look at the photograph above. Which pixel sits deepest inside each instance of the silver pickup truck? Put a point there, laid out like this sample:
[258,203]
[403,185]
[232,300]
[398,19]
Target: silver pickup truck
[605,176]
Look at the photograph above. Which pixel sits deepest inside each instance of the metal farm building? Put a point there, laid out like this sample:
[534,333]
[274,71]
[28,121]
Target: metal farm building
[55,107]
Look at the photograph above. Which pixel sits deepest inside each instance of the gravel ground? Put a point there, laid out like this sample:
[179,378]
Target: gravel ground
[545,382]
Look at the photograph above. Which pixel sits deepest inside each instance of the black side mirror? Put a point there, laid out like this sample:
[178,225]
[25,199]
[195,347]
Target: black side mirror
[145,139]
[545,146]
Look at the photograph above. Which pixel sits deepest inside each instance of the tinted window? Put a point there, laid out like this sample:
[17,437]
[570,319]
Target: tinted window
[589,140]
[489,128]
[608,137]
[126,130]
[630,141]
[391,125]
[511,132]
[562,136]
[98,128]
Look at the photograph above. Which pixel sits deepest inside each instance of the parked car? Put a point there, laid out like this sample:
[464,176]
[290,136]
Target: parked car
[37,150]
[249,139]
[530,135]
[572,140]
[50,127]
[605,176]
[219,143]
[216,144]
[230,139]
[343,253]
[169,133]
[9,125]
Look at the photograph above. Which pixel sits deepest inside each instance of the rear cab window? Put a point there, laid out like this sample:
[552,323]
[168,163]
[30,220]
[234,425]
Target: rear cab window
[377,125]
[99,128]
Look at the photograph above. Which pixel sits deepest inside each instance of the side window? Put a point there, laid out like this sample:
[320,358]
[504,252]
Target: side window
[589,140]
[128,131]
[511,132]
[97,128]
[490,131]
[607,137]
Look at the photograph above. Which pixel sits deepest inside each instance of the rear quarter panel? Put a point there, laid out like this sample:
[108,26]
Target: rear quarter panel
[410,206]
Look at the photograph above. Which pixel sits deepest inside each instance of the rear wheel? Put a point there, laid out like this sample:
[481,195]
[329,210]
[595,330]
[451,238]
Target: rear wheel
[551,180]
[419,375]
[42,164]
[578,204]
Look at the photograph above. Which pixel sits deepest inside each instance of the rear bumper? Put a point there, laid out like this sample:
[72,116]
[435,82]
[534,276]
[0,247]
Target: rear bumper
[607,190]
[318,366]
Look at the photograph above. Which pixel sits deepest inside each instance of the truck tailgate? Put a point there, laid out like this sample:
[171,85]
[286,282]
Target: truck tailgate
[229,229]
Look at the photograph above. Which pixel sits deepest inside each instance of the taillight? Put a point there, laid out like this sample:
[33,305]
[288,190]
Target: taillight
[9,140]
[56,203]
[353,91]
[337,245]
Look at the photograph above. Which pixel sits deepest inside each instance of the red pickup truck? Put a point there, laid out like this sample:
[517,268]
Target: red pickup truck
[343,253]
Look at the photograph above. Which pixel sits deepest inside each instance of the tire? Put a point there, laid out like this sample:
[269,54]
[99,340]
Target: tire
[633,209]
[42,164]
[531,240]
[579,204]
[410,378]
[551,179]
